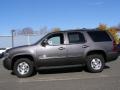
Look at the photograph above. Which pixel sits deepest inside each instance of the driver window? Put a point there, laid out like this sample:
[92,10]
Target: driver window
[55,39]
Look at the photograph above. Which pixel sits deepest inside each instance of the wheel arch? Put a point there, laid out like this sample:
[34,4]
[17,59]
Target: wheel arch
[101,52]
[15,58]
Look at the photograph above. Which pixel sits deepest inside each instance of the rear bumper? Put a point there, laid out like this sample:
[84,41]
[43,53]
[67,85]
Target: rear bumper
[112,56]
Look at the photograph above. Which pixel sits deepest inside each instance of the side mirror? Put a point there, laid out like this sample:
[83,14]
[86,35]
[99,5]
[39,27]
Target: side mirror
[44,43]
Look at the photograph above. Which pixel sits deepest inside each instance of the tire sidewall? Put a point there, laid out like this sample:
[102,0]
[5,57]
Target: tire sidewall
[31,68]
[90,58]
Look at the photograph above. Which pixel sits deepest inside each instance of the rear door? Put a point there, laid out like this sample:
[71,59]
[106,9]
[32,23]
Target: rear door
[76,47]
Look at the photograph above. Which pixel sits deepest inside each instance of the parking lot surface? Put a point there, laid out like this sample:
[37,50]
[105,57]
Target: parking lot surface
[64,79]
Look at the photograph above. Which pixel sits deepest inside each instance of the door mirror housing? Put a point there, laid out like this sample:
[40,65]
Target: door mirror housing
[44,43]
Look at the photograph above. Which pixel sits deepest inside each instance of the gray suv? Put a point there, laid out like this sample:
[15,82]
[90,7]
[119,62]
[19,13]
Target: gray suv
[89,48]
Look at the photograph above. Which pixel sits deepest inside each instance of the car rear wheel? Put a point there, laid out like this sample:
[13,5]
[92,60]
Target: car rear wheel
[95,63]
[23,68]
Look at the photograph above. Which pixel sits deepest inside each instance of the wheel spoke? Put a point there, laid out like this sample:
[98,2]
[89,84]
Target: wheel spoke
[96,63]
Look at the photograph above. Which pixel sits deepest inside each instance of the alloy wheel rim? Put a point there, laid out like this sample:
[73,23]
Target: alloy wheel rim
[23,68]
[96,64]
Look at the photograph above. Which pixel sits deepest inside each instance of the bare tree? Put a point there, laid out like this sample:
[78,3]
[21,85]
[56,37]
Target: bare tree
[43,30]
[118,26]
[26,31]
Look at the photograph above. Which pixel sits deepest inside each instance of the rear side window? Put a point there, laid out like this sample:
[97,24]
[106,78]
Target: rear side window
[76,37]
[99,36]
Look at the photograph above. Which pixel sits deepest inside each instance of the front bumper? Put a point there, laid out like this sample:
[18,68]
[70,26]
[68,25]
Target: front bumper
[7,63]
[1,55]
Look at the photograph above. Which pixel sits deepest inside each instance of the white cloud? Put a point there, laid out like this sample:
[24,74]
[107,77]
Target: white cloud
[97,3]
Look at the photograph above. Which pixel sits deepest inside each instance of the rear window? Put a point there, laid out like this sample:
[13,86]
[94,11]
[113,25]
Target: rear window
[99,36]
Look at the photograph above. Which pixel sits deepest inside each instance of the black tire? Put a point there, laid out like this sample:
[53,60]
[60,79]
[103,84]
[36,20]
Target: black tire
[28,62]
[90,66]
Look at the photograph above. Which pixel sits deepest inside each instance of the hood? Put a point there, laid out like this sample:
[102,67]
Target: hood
[24,48]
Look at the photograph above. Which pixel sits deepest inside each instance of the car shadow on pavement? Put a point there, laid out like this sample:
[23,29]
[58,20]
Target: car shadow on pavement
[106,67]
[58,70]
[66,70]
[61,70]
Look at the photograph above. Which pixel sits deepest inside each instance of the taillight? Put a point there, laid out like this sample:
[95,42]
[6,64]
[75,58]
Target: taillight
[114,46]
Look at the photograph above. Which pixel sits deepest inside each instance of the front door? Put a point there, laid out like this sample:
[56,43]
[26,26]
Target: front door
[54,52]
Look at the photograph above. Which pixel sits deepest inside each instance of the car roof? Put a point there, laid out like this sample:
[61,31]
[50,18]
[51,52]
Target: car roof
[76,30]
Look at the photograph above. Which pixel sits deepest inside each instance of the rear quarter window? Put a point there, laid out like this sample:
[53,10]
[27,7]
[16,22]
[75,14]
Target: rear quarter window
[99,36]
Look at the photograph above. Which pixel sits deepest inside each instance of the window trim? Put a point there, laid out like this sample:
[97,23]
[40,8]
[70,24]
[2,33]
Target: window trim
[55,34]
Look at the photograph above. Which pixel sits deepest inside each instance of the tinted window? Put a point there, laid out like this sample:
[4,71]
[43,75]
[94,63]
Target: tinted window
[76,37]
[55,39]
[99,36]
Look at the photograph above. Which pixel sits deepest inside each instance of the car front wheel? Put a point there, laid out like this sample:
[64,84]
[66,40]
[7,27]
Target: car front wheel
[23,68]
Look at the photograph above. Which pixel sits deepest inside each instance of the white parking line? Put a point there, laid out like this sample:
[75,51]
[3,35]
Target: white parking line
[60,78]
[48,79]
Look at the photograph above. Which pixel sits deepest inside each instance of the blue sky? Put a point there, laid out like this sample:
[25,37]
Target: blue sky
[66,14]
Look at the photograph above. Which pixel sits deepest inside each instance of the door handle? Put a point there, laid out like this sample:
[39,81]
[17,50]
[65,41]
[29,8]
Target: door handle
[85,46]
[61,48]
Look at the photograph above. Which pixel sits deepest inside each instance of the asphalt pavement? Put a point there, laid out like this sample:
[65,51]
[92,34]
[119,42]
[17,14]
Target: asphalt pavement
[64,79]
